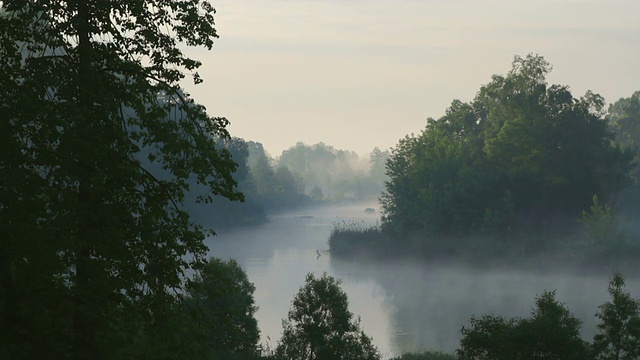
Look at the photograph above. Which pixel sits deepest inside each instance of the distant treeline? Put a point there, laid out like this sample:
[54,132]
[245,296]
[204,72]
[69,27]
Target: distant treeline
[302,175]
[524,157]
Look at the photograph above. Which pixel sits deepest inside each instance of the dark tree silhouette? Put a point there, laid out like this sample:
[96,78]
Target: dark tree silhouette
[320,326]
[98,148]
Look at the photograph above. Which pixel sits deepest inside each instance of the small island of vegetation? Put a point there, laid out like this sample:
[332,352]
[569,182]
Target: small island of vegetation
[523,169]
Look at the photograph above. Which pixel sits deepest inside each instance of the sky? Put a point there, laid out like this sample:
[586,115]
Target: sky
[357,74]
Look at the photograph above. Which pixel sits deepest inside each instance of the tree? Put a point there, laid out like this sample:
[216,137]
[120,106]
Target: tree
[602,223]
[98,148]
[624,117]
[522,155]
[618,334]
[488,338]
[263,177]
[439,181]
[377,162]
[551,333]
[540,138]
[289,187]
[320,327]
[316,164]
[221,211]
[367,184]
[219,312]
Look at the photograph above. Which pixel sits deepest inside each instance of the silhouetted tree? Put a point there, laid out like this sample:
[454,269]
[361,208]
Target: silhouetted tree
[551,333]
[320,327]
[624,117]
[378,162]
[316,164]
[99,145]
[219,312]
[618,334]
[522,155]
[263,176]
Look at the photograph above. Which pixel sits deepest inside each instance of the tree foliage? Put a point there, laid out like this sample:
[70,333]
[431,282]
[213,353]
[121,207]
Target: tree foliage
[320,327]
[618,334]
[276,189]
[99,146]
[338,174]
[316,164]
[551,333]
[219,312]
[522,154]
[601,223]
[624,117]
[271,185]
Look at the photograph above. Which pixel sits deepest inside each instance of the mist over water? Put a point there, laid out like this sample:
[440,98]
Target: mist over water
[430,302]
[405,305]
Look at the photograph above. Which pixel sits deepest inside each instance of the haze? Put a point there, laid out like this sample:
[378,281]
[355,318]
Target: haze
[358,74]
[404,305]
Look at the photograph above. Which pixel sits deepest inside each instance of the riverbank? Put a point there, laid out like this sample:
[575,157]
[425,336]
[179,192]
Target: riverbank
[528,251]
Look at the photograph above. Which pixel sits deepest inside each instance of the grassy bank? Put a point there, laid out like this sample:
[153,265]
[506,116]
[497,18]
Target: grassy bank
[426,355]
[535,250]
[351,237]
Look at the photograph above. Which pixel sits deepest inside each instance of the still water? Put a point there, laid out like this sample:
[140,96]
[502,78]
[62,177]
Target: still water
[403,305]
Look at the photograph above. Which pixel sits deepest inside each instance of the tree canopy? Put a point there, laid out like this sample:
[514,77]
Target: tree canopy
[219,312]
[98,147]
[551,333]
[524,154]
[335,174]
[321,327]
[618,333]
[624,117]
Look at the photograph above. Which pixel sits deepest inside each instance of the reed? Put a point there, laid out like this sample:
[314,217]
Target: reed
[350,236]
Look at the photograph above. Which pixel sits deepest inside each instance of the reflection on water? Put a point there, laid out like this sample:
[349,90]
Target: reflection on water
[403,305]
[431,302]
[278,255]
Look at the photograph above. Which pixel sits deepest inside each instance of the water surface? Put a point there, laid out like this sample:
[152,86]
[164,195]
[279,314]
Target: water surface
[404,305]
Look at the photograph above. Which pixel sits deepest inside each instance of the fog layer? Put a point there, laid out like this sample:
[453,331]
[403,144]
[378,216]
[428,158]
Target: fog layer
[404,305]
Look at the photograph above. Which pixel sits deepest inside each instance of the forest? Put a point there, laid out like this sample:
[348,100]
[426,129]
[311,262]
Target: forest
[302,176]
[112,177]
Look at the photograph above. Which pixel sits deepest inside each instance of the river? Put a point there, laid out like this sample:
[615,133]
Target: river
[403,305]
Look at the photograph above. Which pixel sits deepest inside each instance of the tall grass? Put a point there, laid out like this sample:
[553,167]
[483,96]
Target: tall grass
[350,227]
[347,236]
[427,355]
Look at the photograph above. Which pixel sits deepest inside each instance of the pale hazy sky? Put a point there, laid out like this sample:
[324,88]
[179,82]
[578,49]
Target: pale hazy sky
[363,73]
